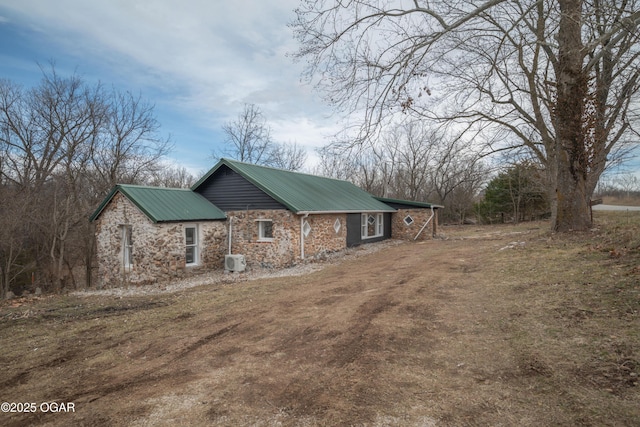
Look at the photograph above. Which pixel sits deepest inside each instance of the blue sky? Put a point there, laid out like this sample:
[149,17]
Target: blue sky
[198,61]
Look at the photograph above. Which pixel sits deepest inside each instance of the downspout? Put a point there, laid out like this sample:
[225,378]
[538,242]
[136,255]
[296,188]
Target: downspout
[230,229]
[425,224]
[302,218]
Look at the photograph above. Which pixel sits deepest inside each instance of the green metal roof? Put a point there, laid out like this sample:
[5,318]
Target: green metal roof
[165,204]
[409,203]
[303,193]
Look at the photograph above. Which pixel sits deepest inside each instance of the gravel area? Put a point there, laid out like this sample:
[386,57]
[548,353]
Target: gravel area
[222,277]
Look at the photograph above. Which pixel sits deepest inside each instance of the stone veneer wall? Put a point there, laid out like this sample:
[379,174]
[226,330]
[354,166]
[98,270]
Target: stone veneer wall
[158,249]
[400,230]
[280,252]
[323,238]
[284,249]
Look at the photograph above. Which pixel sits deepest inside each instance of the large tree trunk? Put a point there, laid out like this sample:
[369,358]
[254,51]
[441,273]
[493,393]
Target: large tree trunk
[572,162]
[572,198]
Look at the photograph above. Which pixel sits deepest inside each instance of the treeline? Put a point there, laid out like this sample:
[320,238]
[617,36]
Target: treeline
[620,194]
[412,161]
[63,145]
[624,186]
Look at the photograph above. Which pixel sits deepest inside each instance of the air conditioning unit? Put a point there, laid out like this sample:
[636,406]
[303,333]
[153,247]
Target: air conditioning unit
[234,263]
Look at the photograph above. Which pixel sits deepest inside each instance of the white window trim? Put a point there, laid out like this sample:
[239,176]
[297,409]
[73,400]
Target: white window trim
[378,225]
[127,246]
[261,237]
[195,245]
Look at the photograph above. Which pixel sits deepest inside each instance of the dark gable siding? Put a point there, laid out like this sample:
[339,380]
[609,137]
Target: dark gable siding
[230,192]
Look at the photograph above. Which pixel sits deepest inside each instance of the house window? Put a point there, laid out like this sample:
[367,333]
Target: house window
[306,229]
[265,230]
[127,246]
[337,225]
[408,220]
[372,225]
[191,245]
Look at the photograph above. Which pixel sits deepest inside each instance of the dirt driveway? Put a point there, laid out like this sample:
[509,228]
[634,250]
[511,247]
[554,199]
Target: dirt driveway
[476,331]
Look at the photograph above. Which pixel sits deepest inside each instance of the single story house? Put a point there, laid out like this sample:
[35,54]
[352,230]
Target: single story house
[272,217]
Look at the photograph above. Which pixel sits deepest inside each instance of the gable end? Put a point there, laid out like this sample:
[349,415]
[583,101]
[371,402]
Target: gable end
[230,191]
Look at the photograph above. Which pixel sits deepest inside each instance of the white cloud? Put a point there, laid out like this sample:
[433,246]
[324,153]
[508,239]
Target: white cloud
[209,57]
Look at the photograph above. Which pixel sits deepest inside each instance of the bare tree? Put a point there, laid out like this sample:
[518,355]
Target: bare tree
[63,144]
[411,161]
[336,163]
[628,183]
[14,236]
[47,134]
[413,151]
[249,140]
[248,136]
[458,183]
[558,75]
[129,148]
[289,156]
[171,177]
[431,164]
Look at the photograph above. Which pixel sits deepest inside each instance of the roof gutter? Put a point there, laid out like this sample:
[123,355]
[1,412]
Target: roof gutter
[306,213]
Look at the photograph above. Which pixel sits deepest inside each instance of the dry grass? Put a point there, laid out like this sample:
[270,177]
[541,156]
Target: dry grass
[630,200]
[498,325]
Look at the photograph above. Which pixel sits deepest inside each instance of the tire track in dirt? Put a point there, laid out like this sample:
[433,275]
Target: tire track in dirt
[358,338]
[130,381]
[206,340]
[335,359]
[331,348]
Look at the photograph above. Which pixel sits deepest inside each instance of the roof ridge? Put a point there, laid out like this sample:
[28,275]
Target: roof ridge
[152,187]
[285,170]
